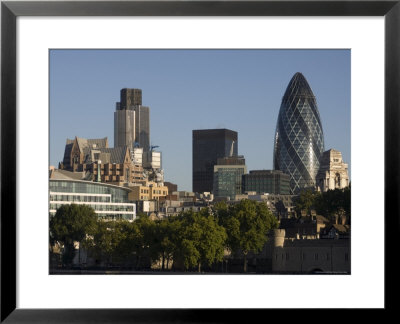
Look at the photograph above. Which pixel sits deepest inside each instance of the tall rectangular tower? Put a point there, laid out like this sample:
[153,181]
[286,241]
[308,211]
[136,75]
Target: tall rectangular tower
[208,146]
[132,120]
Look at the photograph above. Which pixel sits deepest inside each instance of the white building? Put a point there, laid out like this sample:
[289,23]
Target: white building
[108,201]
[333,172]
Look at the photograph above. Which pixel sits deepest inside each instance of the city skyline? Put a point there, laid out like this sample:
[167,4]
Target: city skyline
[240,90]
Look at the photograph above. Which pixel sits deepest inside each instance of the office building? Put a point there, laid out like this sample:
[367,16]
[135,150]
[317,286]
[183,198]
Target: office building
[209,145]
[333,172]
[131,121]
[267,181]
[228,173]
[108,201]
[147,190]
[299,139]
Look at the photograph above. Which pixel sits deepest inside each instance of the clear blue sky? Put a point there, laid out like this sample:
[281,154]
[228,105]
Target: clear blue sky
[195,89]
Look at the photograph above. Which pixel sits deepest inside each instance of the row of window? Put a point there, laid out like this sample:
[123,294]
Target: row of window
[117,194]
[155,192]
[66,197]
[97,207]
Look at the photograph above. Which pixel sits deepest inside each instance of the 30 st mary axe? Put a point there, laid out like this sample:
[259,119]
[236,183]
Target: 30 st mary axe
[299,138]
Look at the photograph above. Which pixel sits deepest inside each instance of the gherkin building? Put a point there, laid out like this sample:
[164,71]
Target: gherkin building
[299,139]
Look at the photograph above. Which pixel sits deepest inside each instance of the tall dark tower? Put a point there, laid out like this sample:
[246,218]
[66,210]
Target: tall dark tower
[299,139]
[208,146]
[132,120]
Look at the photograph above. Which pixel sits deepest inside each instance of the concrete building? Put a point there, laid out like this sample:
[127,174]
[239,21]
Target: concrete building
[299,138]
[152,160]
[137,155]
[147,190]
[267,181]
[333,172]
[108,201]
[209,145]
[131,120]
[171,186]
[227,179]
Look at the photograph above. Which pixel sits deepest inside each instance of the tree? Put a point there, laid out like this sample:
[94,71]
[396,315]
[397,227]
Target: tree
[110,241]
[142,239]
[305,201]
[247,224]
[73,223]
[202,240]
[335,202]
[166,238]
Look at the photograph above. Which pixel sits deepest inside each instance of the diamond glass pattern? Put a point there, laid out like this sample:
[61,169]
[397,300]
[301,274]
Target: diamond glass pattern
[299,139]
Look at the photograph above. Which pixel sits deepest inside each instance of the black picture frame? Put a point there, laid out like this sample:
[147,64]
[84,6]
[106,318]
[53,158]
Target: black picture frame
[10,10]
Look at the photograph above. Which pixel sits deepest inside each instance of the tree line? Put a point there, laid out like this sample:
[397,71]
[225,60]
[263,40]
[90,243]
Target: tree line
[330,204]
[192,240]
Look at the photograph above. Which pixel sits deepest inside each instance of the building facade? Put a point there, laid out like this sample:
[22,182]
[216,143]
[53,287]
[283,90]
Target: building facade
[267,181]
[333,172]
[108,201]
[207,146]
[79,150]
[131,120]
[299,138]
[147,190]
[105,164]
[228,173]
[152,160]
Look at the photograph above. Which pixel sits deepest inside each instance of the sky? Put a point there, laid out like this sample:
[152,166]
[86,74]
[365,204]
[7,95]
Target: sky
[238,89]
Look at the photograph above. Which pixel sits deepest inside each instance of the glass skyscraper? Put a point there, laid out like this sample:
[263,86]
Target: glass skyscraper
[299,139]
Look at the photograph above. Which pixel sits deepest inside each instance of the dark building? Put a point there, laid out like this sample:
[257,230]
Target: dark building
[299,139]
[132,121]
[171,187]
[208,146]
[267,181]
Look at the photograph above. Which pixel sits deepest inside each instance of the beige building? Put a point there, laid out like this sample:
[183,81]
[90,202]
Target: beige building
[333,172]
[147,190]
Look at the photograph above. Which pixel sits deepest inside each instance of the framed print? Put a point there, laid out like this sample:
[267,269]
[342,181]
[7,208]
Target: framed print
[38,34]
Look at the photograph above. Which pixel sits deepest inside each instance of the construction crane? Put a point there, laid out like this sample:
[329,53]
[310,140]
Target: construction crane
[153,147]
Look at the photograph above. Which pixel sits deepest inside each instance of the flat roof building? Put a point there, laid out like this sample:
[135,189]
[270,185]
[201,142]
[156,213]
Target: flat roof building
[131,120]
[228,173]
[209,145]
[108,201]
[267,181]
